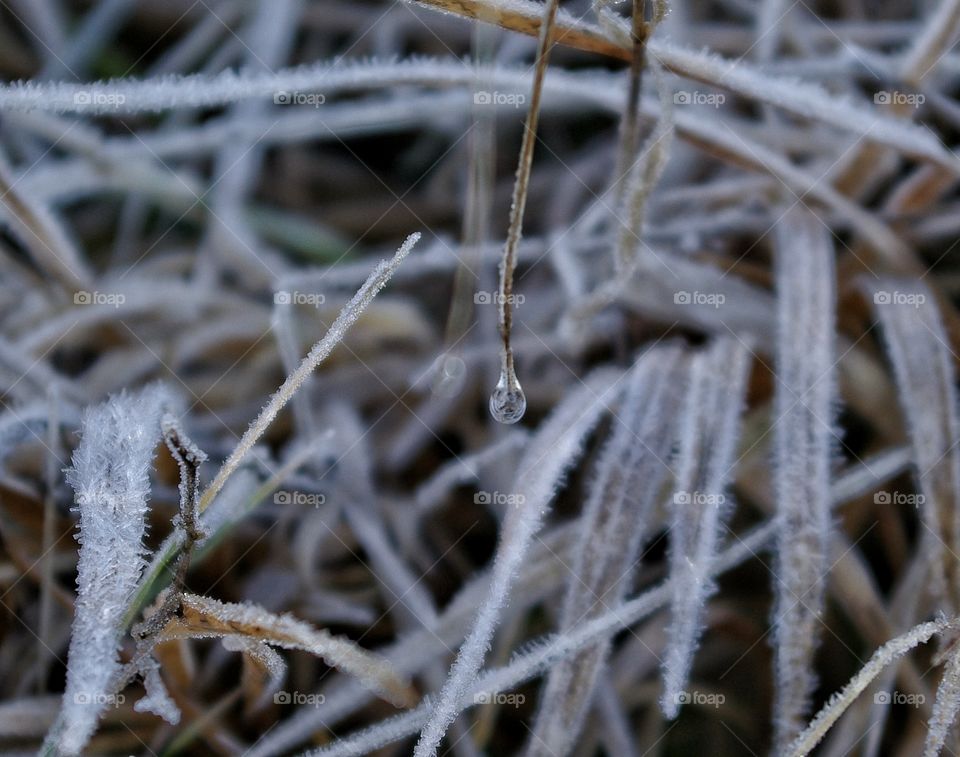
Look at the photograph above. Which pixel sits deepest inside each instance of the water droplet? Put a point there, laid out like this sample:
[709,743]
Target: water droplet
[507,403]
[449,379]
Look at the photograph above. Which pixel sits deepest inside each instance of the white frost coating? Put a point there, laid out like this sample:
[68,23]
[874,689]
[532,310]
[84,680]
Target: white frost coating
[414,652]
[264,657]
[945,707]
[199,90]
[630,473]
[838,703]
[110,476]
[803,436]
[710,429]
[929,47]
[204,617]
[598,88]
[923,367]
[542,656]
[158,700]
[552,450]
[372,738]
[801,98]
[318,353]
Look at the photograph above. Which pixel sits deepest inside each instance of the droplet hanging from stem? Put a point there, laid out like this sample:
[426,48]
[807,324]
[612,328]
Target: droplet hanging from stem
[507,403]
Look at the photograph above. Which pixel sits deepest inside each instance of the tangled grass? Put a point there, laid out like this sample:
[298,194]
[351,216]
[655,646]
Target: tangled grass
[479,377]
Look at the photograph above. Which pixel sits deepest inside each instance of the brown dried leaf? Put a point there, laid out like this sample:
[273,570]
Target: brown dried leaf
[204,617]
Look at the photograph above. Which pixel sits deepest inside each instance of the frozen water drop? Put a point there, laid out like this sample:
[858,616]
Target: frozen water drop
[507,403]
[448,381]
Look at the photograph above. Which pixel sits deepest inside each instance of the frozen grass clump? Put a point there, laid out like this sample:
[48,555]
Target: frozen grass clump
[111,480]
[709,434]
[803,448]
[630,473]
[545,377]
